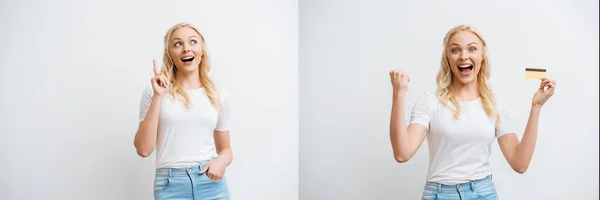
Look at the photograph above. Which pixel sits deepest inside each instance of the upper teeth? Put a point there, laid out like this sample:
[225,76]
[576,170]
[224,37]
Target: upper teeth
[464,66]
[187,57]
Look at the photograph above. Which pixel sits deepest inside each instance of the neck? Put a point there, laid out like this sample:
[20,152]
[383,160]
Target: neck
[466,92]
[189,80]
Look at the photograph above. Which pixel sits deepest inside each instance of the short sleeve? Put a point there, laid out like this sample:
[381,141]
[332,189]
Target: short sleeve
[421,111]
[506,120]
[145,102]
[224,117]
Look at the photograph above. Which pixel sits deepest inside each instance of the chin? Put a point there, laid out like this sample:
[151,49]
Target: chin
[189,67]
[468,79]
[465,80]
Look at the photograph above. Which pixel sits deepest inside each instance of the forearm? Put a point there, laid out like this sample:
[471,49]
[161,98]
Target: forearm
[526,147]
[398,130]
[145,138]
[226,156]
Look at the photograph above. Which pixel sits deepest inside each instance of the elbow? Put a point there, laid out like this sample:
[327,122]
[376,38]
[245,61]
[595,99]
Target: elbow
[143,153]
[142,149]
[401,159]
[520,169]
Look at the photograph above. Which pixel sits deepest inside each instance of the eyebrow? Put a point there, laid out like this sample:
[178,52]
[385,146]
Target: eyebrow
[180,38]
[467,44]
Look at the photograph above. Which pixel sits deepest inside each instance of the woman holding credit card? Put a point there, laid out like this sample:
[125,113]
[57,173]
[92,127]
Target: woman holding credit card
[185,116]
[461,120]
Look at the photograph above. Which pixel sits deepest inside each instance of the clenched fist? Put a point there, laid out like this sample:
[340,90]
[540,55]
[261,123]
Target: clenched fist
[399,80]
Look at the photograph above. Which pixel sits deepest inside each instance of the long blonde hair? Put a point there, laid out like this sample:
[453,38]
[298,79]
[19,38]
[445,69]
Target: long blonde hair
[204,68]
[445,78]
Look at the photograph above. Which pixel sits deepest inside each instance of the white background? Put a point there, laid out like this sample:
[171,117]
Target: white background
[348,47]
[71,79]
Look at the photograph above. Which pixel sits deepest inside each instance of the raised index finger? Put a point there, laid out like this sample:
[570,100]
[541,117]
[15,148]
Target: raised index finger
[156,69]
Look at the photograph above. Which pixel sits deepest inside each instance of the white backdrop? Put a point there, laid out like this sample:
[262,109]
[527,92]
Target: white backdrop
[348,47]
[72,74]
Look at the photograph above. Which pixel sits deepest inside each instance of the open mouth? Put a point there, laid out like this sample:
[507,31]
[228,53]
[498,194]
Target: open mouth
[465,69]
[187,60]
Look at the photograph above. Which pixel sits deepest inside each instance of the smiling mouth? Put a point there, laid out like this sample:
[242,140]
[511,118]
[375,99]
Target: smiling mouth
[187,59]
[465,69]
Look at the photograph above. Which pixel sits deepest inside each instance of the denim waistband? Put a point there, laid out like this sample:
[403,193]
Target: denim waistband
[173,172]
[472,185]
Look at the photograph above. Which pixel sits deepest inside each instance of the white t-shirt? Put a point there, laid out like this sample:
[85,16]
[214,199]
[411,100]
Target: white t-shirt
[185,136]
[459,150]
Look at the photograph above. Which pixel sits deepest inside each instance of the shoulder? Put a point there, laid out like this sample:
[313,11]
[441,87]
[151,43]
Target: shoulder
[430,95]
[426,100]
[499,101]
[148,91]
[502,106]
[427,97]
[223,93]
[146,97]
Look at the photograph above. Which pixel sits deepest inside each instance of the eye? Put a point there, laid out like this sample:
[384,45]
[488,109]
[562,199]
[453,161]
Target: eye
[455,50]
[193,42]
[472,49]
[177,44]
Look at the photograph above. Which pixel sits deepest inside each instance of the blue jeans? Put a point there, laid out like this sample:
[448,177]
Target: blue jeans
[478,189]
[186,183]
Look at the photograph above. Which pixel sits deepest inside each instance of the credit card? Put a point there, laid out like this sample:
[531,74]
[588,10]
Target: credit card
[535,73]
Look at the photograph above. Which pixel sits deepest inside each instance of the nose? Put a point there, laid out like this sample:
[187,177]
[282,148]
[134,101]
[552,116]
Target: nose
[464,56]
[186,48]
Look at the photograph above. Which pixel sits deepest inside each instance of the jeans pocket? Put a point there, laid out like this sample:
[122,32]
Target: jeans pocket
[211,189]
[487,192]
[429,196]
[429,193]
[205,177]
[160,184]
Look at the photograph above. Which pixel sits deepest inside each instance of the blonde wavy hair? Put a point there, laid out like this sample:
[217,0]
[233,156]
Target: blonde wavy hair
[445,78]
[204,69]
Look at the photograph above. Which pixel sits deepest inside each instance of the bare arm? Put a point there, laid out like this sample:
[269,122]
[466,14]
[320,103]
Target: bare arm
[223,146]
[519,154]
[145,138]
[216,168]
[405,141]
